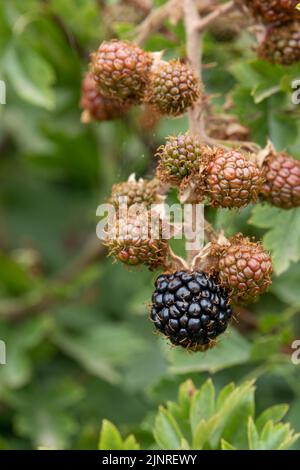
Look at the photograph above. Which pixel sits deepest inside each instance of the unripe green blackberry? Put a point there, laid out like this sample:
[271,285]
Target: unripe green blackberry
[182,156]
[232,180]
[136,192]
[121,70]
[190,309]
[133,242]
[272,11]
[96,106]
[244,268]
[281,44]
[282,180]
[173,87]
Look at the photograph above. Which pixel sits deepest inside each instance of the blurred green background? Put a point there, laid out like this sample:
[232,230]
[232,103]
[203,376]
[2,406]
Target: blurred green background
[79,345]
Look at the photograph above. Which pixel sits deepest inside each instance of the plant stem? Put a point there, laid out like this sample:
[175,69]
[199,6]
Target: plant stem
[205,22]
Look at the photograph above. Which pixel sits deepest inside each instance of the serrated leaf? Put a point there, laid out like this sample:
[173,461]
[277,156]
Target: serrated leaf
[226,446]
[253,437]
[276,436]
[131,443]
[203,432]
[110,438]
[275,414]
[233,416]
[224,393]
[283,236]
[203,404]
[166,431]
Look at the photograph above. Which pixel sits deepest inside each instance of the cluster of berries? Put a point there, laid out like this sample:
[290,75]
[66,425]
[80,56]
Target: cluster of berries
[281,41]
[190,307]
[192,303]
[122,74]
[229,178]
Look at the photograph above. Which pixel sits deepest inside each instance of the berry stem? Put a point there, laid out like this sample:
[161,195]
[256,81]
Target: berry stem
[196,118]
[194,55]
[156,18]
[204,23]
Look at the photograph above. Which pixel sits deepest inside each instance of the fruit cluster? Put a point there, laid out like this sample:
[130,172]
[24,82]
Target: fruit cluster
[193,300]
[229,178]
[281,41]
[122,74]
[192,306]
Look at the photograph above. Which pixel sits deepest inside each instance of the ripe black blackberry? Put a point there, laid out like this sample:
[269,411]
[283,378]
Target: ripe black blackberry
[190,309]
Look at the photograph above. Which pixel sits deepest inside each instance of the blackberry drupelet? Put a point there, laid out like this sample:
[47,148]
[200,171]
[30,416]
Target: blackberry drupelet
[190,309]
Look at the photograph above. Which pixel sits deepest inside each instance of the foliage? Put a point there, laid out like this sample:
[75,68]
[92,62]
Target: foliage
[88,354]
[203,421]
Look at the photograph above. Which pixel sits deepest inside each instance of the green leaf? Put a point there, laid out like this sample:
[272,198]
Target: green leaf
[232,350]
[131,443]
[101,349]
[203,404]
[283,236]
[275,414]
[226,446]
[264,90]
[233,416]
[166,431]
[30,74]
[203,433]
[253,437]
[276,436]
[110,438]
[224,393]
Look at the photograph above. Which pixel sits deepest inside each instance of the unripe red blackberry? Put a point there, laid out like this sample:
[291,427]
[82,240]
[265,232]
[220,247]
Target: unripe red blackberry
[281,44]
[121,70]
[133,242]
[136,192]
[173,87]
[244,268]
[272,11]
[282,180]
[190,309]
[182,156]
[232,180]
[96,106]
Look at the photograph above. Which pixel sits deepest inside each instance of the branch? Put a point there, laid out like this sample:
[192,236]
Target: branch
[194,55]
[205,22]
[156,18]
